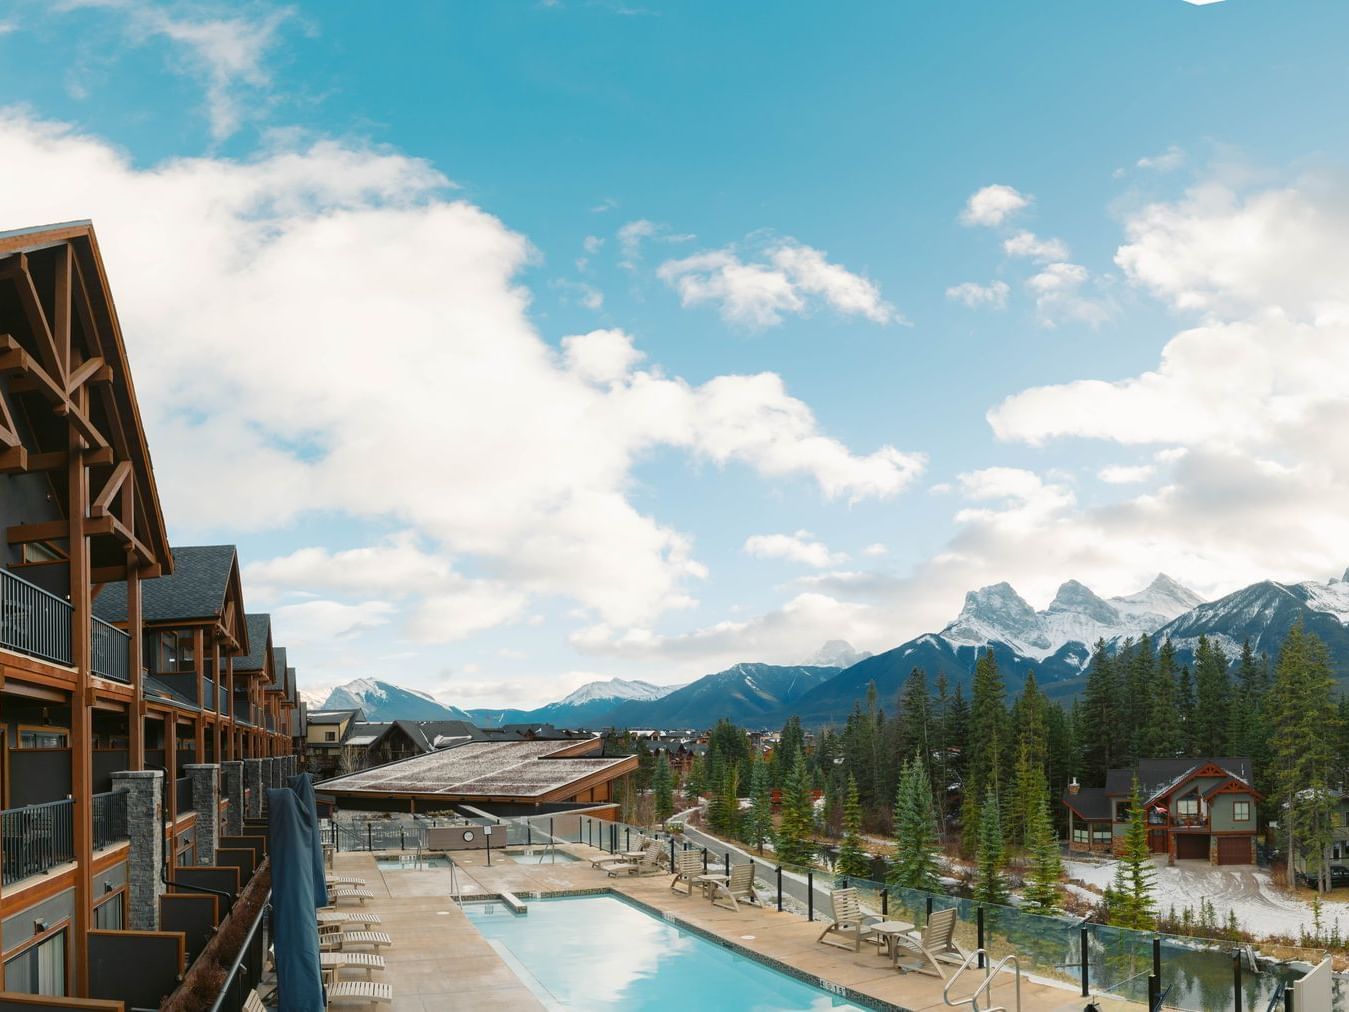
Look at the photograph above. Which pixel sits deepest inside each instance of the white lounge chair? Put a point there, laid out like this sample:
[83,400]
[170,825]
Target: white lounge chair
[368,991]
[740,887]
[604,861]
[349,893]
[651,861]
[688,865]
[339,960]
[849,920]
[934,945]
[332,938]
[345,917]
[347,880]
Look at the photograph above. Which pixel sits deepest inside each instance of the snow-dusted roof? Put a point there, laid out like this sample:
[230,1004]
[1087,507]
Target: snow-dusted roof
[525,769]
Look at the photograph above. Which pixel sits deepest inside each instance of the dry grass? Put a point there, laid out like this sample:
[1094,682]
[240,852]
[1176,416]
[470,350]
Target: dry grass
[206,976]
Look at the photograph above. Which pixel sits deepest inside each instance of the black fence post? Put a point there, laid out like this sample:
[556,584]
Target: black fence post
[1236,979]
[1157,962]
[704,860]
[1085,989]
[368,844]
[980,921]
[726,862]
[929,908]
[672,853]
[552,840]
[1154,991]
[402,840]
[885,902]
[810,895]
[627,838]
[779,888]
[488,837]
[529,834]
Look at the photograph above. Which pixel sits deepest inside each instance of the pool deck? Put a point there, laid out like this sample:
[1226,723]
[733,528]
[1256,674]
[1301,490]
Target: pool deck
[439,960]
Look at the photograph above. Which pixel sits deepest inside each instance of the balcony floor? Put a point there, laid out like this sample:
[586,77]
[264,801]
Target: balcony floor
[440,961]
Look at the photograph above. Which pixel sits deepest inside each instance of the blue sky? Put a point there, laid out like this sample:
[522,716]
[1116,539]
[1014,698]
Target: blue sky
[519,344]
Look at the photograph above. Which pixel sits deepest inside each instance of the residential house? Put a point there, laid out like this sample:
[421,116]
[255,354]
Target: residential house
[326,732]
[1197,809]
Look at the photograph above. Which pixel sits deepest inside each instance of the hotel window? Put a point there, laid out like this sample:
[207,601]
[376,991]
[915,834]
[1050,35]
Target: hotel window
[330,736]
[1187,806]
[1241,811]
[176,652]
[108,914]
[1101,835]
[40,969]
[1080,835]
[43,737]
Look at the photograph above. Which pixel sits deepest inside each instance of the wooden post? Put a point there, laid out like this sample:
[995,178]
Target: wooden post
[81,722]
[199,666]
[135,651]
[171,785]
[229,699]
[215,703]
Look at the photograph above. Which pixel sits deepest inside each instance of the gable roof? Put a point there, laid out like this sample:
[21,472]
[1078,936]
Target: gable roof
[278,670]
[259,635]
[1091,804]
[196,589]
[334,716]
[1156,776]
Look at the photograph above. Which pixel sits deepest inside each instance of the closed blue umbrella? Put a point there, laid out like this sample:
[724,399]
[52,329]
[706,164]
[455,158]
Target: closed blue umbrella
[295,933]
[304,791]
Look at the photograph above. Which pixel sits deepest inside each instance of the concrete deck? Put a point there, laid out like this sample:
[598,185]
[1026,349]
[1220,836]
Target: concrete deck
[440,961]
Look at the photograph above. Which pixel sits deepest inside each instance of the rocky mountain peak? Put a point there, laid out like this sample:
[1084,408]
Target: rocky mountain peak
[1080,599]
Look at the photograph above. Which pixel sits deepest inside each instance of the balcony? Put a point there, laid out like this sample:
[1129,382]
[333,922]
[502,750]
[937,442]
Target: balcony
[1189,821]
[35,622]
[36,839]
[182,788]
[208,694]
[110,648]
[109,818]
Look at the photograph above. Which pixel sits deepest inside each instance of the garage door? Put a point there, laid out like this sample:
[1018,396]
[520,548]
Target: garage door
[1234,850]
[1191,846]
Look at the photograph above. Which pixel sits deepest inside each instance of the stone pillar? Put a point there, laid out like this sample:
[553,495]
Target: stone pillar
[274,766]
[206,802]
[255,781]
[232,786]
[145,858]
[291,768]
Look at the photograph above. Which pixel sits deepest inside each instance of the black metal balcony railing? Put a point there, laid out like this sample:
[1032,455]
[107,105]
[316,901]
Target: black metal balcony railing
[109,818]
[33,621]
[110,647]
[183,793]
[208,694]
[36,839]
[223,692]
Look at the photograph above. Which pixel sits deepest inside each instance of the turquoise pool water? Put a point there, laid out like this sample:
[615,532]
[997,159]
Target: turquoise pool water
[542,857]
[598,952]
[410,863]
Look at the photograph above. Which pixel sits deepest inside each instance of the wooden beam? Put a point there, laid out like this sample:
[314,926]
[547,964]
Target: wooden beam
[56,460]
[61,299]
[118,478]
[15,360]
[94,370]
[16,270]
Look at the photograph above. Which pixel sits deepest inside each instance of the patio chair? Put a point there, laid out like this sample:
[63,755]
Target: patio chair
[928,949]
[740,887]
[688,865]
[849,921]
[349,893]
[253,1003]
[339,960]
[332,938]
[347,880]
[327,915]
[652,862]
[367,991]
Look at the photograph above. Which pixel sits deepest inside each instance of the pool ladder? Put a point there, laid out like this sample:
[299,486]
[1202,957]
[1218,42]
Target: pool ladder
[986,985]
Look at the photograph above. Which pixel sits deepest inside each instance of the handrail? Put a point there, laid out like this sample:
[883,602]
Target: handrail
[990,974]
[109,650]
[237,966]
[34,621]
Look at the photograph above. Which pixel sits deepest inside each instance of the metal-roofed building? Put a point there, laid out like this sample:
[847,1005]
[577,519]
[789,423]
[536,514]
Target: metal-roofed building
[520,775]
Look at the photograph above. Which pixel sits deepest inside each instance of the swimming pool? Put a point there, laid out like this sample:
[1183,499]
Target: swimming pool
[410,862]
[599,952]
[541,856]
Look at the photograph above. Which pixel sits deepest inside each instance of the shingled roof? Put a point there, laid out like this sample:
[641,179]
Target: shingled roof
[259,632]
[1156,774]
[278,670]
[195,590]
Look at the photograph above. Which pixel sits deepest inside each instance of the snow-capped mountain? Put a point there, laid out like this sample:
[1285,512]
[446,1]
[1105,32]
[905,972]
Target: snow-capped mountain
[614,689]
[584,707]
[381,700]
[837,654]
[998,614]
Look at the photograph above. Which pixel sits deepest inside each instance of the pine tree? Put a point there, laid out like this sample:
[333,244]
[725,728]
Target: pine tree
[988,737]
[915,862]
[1185,709]
[723,810]
[1032,750]
[1100,711]
[1139,681]
[1307,733]
[852,858]
[791,744]
[794,828]
[695,783]
[1212,692]
[662,784]
[1164,735]
[758,825]
[989,884]
[1130,903]
[1042,892]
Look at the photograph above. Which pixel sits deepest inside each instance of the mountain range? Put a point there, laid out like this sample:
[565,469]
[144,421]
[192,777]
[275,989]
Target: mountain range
[1055,642]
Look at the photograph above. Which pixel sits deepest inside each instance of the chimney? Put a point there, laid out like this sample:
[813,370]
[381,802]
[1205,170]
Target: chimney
[1074,786]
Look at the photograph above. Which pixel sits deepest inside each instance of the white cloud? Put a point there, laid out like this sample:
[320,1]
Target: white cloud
[993,205]
[971,293]
[799,547]
[1169,160]
[592,244]
[1059,296]
[758,293]
[1028,244]
[320,623]
[1121,474]
[225,52]
[633,234]
[362,344]
[875,550]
